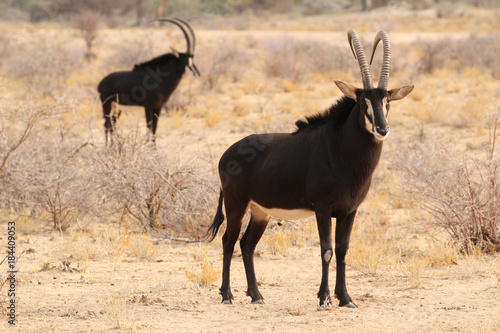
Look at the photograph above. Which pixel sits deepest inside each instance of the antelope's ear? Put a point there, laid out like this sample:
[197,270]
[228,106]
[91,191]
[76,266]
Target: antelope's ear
[400,93]
[347,89]
[175,52]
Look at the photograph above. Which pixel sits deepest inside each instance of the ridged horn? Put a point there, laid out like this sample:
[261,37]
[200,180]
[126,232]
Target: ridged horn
[357,50]
[386,62]
[174,21]
[191,30]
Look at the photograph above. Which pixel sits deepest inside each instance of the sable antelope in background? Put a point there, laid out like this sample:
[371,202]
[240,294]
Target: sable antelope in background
[324,168]
[149,84]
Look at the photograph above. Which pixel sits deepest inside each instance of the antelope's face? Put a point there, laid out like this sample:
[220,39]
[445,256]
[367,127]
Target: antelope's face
[374,104]
[192,67]
[375,108]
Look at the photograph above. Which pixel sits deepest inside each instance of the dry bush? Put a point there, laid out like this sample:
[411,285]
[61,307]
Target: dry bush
[39,173]
[44,65]
[49,174]
[87,23]
[55,188]
[223,59]
[475,51]
[153,187]
[185,95]
[294,59]
[461,194]
[129,54]
[316,7]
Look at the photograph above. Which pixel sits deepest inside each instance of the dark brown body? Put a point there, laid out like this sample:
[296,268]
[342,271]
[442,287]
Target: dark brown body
[324,169]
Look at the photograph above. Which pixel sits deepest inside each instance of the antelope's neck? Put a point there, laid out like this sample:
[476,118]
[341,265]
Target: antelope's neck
[360,148]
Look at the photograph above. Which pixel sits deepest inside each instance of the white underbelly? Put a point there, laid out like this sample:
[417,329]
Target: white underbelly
[281,214]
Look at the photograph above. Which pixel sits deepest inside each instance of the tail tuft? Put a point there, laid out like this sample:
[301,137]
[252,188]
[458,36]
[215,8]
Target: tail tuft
[218,220]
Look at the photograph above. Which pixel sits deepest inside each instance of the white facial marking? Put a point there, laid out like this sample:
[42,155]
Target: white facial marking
[369,126]
[281,214]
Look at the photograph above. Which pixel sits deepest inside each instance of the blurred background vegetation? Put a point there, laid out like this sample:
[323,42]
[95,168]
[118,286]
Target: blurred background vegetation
[135,12]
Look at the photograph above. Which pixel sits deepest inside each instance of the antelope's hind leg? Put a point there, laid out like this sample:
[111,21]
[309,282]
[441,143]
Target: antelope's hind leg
[256,227]
[235,214]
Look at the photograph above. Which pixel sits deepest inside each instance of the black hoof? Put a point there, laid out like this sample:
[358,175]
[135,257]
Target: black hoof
[258,301]
[349,305]
[227,301]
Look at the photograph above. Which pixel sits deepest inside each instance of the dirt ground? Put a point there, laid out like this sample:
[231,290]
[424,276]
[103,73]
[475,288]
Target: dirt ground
[158,297]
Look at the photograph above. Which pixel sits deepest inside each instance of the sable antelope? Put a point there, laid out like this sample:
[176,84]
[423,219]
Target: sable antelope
[149,84]
[324,168]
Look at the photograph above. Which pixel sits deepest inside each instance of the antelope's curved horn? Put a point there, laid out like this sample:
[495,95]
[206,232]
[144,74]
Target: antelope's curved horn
[174,21]
[357,50]
[191,30]
[386,63]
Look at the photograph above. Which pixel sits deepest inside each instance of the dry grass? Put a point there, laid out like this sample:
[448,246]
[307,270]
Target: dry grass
[142,248]
[366,259]
[121,315]
[206,275]
[278,241]
[414,269]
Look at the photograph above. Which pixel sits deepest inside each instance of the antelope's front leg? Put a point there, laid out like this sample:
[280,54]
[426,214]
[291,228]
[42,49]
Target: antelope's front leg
[324,221]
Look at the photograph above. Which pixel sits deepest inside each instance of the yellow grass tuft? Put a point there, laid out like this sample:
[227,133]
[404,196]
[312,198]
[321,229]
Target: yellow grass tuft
[212,118]
[26,225]
[441,254]
[120,314]
[279,242]
[143,248]
[207,274]
[366,259]
[414,270]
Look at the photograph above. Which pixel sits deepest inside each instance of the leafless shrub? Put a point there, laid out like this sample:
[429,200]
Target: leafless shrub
[55,187]
[87,23]
[45,66]
[433,56]
[316,7]
[185,95]
[462,195]
[224,59]
[153,188]
[474,51]
[480,51]
[129,54]
[27,117]
[294,59]
[38,173]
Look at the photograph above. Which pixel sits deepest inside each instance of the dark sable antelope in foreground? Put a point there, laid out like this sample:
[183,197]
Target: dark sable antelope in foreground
[149,84]
[324,168]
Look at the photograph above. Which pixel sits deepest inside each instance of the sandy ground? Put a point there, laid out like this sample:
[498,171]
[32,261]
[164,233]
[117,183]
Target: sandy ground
[157,296]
